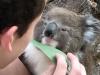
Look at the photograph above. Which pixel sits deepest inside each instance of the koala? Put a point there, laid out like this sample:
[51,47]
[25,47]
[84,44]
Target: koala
[66,31]
[57,31]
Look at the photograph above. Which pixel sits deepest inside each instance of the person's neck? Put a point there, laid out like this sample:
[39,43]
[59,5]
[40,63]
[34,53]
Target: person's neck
[15,68]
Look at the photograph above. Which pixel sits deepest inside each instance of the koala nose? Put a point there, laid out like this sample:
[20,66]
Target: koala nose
[50,29]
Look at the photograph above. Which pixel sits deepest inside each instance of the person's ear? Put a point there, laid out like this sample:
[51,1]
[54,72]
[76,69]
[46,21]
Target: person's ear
[7,38]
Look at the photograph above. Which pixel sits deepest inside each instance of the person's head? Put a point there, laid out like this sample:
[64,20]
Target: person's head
[17,20]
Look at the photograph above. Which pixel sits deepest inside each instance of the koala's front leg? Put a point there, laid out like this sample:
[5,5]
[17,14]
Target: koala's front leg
[36,61]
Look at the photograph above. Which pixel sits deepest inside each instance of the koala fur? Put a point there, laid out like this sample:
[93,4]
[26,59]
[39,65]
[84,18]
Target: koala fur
[67,31]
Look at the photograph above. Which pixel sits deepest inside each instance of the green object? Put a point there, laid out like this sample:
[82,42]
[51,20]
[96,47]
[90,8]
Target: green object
[49,51]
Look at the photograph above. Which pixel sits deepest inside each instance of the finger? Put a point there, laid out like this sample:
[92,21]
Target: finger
[61,68]
[50,70]
[83,71]
[75,70]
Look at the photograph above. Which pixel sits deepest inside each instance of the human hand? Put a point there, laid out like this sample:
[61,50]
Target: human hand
[77,67]
[61,66]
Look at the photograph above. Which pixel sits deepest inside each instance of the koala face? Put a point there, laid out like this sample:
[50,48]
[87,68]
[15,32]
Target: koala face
[61,29]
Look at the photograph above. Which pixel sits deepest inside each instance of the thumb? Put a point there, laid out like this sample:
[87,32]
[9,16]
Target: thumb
[75,70]
[61,67]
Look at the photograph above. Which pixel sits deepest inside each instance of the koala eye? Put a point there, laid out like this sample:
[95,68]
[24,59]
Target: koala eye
[63,29]
[48,1]
[44,24]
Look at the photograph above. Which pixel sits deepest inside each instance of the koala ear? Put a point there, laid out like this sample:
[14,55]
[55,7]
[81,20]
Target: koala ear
[7,38]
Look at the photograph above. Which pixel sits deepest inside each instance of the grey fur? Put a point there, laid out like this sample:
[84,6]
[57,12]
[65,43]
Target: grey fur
[75,33]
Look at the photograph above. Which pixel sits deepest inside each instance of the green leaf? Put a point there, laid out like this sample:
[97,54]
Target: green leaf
[49,51]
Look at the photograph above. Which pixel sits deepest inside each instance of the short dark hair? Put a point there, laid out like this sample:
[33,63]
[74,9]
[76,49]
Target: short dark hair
[20,13]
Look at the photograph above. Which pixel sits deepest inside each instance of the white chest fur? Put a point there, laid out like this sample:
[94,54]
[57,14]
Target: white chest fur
[36,60]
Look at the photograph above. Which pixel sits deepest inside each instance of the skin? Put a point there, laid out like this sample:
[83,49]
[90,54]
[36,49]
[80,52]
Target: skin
[14,69]
[11,46]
